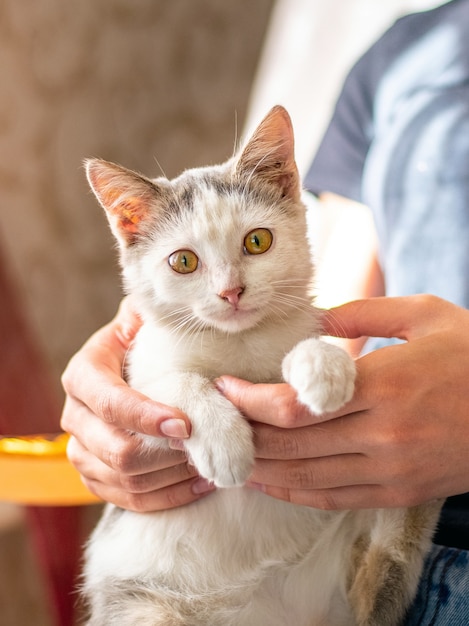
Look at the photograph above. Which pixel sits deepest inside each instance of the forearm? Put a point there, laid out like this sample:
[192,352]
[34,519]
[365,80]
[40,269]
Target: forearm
[347,266]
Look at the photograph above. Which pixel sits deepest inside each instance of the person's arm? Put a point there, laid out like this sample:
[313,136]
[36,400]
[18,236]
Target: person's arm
[404,437]
[346,252]
[346,256]
[102,413]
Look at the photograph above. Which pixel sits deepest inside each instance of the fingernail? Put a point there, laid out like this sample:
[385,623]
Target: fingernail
[219,384]
[127,331]
[174,428]
[176,444]
[202,485]
[124,334]
[256,486]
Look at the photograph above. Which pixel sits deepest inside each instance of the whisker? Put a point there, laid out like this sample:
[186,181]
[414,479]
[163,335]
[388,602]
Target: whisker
[291,281]
[338,326]
[292,307]
[235,142]
[187,328]
[293,302]
[160,167]
[258,165]
[294,297]
[184,310]
[124,361]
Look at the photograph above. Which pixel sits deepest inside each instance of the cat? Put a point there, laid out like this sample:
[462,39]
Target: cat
[220,268]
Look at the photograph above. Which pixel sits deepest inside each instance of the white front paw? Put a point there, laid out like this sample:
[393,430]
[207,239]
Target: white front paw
[322,374]
[223,453]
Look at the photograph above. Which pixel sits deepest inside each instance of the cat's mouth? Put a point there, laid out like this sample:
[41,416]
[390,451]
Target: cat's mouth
[236,319]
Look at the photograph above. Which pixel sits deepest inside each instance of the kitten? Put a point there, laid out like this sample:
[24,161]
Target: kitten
[219,265]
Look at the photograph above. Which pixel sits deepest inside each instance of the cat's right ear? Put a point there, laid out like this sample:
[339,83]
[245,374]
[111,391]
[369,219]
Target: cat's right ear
[127,198]
[269,154]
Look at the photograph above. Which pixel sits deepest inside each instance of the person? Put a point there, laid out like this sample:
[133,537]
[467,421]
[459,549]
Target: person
[398,143]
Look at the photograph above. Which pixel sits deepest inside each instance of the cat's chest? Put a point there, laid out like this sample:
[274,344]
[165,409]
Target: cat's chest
[255,356]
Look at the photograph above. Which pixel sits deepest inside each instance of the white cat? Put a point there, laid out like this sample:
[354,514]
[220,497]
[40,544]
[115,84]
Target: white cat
[220,267]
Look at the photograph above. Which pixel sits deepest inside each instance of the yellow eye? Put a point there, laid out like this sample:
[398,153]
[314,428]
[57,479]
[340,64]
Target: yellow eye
[258,241]
[183,261]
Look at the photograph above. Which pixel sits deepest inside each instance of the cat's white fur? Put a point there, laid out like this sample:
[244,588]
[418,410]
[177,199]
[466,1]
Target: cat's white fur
[236,557]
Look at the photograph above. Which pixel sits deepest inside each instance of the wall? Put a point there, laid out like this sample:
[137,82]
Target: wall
[309,48]
[153,84]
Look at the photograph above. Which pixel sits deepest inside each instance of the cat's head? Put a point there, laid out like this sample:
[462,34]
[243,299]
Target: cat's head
[218,247]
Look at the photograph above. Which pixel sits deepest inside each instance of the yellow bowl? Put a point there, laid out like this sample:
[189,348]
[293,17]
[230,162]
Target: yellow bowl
[34,470]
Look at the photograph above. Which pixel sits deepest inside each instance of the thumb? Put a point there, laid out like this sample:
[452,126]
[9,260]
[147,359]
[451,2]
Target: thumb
[274,404]
[242,394]
[400,317]
[127,321]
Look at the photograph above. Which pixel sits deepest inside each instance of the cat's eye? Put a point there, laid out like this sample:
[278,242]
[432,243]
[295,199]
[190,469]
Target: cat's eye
[258,241]
[183,261]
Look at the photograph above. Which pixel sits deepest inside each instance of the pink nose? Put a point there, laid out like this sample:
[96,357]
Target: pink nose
[232,295]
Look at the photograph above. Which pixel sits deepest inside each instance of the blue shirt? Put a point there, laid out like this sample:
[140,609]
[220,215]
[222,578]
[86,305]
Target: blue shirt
[399,142]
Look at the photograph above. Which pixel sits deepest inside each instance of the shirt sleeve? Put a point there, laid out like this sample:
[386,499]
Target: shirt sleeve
[339,162]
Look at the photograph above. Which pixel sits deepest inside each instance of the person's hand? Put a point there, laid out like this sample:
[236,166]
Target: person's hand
[404,437]
[102,414]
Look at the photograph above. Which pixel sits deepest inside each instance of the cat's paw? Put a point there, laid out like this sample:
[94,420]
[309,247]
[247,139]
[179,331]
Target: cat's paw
[223,453]
[322,374]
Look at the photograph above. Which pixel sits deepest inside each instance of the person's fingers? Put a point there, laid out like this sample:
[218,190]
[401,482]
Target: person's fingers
[174,483]
[110,398]
[401,317]
[278,405]
[127,321]
[338,436]
[380,375]
[339,498]
[351,481]
[91,468]
[158,469]
[170,497]
[313,474]
[272,404]
[120,449]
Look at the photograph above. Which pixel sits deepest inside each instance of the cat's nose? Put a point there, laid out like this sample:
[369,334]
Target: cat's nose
[232,295]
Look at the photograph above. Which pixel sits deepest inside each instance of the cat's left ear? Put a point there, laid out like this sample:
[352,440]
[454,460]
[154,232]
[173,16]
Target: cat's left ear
[127,198]
[270,154]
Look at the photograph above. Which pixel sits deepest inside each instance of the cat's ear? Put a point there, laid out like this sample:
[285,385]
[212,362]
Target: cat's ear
[270,154]
[127,198]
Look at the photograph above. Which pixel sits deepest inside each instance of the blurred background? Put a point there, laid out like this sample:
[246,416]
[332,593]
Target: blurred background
[157,85]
